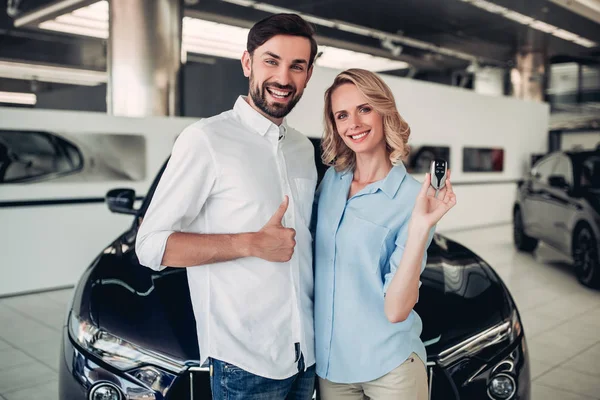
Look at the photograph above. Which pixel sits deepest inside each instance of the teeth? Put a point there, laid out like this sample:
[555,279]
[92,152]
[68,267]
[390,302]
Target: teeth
[279,93]
[362,135]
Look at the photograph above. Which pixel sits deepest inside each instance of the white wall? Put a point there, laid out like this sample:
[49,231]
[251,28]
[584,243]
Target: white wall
[580,140]
[444,115]
[49,246]
[490,81]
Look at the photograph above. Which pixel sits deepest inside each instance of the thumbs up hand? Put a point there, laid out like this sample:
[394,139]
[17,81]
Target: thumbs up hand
[274,242]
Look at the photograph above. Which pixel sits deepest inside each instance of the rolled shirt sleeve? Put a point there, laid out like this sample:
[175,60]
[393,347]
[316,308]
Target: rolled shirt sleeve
[399,251]
[181,193]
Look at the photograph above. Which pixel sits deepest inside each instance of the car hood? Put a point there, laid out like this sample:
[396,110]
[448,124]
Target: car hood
[459,297]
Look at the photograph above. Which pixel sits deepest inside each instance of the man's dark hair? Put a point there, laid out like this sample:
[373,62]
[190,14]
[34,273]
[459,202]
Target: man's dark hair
[281,24]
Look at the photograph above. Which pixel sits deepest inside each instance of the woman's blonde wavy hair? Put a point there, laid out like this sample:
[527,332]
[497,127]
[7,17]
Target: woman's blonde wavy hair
[380,97]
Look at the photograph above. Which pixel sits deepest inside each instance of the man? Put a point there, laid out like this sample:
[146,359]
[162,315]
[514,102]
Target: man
[218,210]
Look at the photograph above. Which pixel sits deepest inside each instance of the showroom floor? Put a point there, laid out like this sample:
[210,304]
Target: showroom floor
[561,320]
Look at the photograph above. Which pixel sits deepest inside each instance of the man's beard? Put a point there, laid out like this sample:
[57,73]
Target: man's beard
[275,110]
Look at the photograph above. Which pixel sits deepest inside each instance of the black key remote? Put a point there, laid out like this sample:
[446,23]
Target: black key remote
[439,172]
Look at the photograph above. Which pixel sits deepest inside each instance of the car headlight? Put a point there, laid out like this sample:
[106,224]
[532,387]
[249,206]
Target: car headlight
[507,331]
[144,365]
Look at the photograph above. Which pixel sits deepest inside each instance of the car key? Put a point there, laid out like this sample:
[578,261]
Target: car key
[439,172]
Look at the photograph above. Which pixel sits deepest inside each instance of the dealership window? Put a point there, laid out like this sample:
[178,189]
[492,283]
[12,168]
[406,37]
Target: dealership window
[543,169]
[590,172]
[27,156]
[564,168]
[477,159]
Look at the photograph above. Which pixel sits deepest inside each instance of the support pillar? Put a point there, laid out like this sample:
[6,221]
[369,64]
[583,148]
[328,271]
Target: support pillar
[528,78]
[144,57]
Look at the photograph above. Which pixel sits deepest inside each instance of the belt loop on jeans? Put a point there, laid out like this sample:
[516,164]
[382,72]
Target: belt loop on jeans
[299,357]
[301,364]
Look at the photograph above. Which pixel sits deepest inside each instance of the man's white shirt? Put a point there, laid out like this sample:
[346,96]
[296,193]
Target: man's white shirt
[229,174]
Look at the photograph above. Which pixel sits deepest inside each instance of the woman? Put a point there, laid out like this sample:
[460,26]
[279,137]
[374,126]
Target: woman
[374,223]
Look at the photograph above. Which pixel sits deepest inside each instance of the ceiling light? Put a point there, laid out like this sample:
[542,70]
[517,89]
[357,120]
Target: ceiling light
[221,40]
[243,3]
[585,42]
[91,20]
[566,35]
[518,17]
[18,98]
[593,4]
[270,8]
[97,11]
[51,73]
[589,9]
[333,57]
[491,7]
[366,31]
[320,21]
[50,11]
[535,24]
[542,26]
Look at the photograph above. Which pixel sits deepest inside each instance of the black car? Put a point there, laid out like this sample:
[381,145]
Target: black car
[559,204]
[130,331]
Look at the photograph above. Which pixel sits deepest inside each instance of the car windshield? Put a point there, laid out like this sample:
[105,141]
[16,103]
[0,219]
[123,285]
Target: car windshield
[148,198]
[590,172]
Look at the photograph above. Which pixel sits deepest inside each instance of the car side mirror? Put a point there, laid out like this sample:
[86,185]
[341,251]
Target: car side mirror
[558,182]
[121,201]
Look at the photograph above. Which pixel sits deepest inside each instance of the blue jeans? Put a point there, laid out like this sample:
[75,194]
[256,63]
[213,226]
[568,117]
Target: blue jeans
[229,382]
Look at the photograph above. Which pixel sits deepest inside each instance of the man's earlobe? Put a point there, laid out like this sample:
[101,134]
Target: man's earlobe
[246,64]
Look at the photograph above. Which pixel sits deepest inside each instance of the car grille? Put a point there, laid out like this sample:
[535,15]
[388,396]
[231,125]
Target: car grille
[440,386]
[191,385]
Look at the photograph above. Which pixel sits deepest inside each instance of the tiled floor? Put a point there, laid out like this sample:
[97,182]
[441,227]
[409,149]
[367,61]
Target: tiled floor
[561,319]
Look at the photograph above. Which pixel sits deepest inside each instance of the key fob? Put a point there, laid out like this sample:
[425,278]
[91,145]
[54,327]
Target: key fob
[439,171]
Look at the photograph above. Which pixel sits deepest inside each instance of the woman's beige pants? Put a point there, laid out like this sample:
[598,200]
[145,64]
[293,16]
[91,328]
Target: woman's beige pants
[407,382]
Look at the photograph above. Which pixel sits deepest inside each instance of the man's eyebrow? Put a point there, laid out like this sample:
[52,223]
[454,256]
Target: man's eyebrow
[277,57]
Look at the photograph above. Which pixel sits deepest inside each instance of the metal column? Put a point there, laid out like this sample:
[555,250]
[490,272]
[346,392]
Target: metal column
[144,57]
[528,78]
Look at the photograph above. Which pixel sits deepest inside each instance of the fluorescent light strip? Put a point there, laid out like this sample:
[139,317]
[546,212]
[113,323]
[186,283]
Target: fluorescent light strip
[18,98]
[212,38]
[206,37]
[342,59]
[362,30]
[50,73]
[90,20]
[593,4]
[535,24]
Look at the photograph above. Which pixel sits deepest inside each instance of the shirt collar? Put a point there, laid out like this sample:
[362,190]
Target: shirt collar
[392,181]
[255,121]
[388,185]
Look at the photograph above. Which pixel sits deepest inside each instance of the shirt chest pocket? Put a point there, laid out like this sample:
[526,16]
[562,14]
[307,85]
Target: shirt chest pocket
[304,197]
[364,242]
